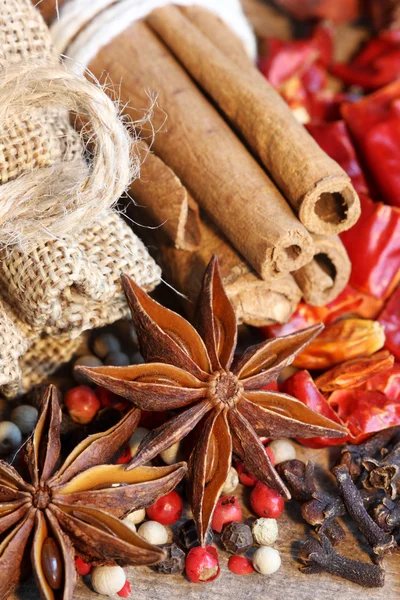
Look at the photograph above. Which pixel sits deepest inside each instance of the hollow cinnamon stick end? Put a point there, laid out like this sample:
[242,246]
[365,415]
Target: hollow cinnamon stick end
[326,276]
[289,253]
[331,207]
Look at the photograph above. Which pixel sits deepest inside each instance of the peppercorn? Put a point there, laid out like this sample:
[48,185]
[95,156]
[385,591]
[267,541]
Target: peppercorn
[236,538]
[188,536]
[240,565]
[117,359]
[227,510]
[104,344]
[174,563]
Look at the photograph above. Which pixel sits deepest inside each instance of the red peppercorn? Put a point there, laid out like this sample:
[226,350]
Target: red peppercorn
[227,510]
[202,564]
[82,567]
[244,476]
[240,565]
[270,454]
[125,455]
[108,399]
[167,509]
[266,502]
[82,404]
[125,591]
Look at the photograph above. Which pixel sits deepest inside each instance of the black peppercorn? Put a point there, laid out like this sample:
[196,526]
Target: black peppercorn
[236,538]
[188,538]
[174,563]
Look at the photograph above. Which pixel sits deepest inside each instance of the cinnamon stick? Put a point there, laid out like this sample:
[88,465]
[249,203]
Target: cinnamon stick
[315,185]
[166,199]
[322,280]
[256,302]
[213,27]
[205,154]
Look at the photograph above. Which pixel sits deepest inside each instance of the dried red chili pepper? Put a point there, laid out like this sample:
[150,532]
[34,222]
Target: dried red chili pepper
[339,11]
[349,302]
[373,246]
[388,383]
[287,59]
[298,69]
[356,373]
[334,139]
[301,386]
[365,412]
[377,65]
[374,122]
[390,319]
[340,341]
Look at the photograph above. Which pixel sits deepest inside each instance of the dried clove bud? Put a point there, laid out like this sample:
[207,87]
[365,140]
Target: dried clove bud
[333,531]
[321,508]
[300,478]
[387,514]
[384,474]
[353,456]
[173,563]
[380,541]
[319,555]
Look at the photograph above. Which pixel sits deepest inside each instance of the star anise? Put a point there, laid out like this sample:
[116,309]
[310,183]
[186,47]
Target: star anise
[190,371]
[74,510]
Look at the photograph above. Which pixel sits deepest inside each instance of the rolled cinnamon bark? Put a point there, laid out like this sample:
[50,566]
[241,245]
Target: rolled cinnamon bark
[166,199]
[322,280]
[213,27]
[315,185]
[205,153]
[256,302]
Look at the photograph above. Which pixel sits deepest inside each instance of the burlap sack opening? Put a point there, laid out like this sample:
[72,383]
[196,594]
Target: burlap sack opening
[64,286]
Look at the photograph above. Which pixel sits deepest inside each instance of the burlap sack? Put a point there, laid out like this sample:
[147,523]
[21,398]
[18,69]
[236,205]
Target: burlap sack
[64,286]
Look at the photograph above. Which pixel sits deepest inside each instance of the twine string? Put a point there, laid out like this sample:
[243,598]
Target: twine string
[53,201]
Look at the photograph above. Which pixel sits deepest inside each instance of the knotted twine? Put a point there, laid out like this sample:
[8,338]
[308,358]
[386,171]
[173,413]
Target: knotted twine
[54,282]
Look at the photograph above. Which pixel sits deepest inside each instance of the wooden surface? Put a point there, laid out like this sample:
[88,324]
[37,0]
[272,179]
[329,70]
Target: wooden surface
[287,584]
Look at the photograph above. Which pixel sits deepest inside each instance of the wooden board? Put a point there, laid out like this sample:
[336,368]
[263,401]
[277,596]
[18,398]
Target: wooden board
[287,584]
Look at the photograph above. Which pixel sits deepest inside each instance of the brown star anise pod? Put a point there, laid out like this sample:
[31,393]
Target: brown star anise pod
[74,509]
[190,371]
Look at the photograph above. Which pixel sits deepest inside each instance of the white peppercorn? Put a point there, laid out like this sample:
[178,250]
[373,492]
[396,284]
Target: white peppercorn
[153,532]
[265,531]
[136,438]
[282,449]
[136,516]
[129,524]
[231,483]
[108,580]
[173,454]
[266,560]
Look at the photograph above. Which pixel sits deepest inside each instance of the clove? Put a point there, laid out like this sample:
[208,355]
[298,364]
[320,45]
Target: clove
[353,456]
[387,514]
[380,540]
[318,555]
[384,474]
[300,478]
